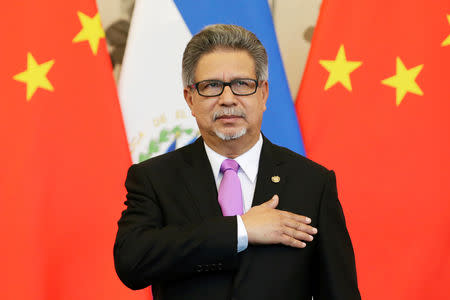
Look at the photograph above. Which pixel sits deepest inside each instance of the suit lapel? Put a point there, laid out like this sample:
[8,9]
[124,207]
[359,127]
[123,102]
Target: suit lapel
[201,185]
[267,185]
[269,180]
[199,179]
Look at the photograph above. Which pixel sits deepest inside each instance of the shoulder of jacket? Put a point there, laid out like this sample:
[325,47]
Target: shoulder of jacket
[295,160]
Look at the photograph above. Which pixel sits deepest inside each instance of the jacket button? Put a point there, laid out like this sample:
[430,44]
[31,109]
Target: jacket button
[199,268]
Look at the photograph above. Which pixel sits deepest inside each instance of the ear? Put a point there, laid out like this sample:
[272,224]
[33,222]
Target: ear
[189,97]
[264,87]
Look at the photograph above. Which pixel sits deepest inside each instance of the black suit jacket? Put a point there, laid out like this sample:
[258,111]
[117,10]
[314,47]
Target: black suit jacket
[173,236]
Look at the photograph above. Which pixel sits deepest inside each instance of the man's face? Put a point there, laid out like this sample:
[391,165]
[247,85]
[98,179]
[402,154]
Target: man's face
[228,116]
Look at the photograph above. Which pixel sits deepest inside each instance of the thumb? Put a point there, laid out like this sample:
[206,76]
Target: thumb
[272,203]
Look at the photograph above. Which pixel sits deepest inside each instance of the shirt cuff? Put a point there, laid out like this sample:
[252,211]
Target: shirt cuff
[242,235]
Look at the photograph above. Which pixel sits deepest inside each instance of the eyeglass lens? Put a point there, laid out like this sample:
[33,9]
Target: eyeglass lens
[238,87]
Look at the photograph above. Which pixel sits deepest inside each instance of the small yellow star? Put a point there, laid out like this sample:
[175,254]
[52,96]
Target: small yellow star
[35,76]
[446,42]
[339,69]
[92,31]
[404,81]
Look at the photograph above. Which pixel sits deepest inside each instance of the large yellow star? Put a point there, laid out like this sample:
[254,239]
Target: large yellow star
[339,69]
[404,81]
[92,31]
[35,76]
[446,42]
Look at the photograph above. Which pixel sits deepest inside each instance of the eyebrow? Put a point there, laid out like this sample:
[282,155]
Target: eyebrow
[233,78]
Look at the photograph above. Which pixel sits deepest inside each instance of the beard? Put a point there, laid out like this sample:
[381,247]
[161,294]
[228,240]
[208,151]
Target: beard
[231,112]
[230,136]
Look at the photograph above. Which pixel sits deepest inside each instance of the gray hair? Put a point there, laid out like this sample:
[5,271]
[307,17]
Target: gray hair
[222,36]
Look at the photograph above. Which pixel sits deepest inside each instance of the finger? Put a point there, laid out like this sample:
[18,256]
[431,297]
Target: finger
[272,203]
[296,217]
[290,241]
[298,235]
[299,226]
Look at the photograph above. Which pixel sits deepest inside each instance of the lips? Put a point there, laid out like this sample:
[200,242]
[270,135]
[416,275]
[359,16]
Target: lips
[229,117]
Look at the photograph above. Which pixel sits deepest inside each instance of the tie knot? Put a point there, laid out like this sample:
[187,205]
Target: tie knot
[229,164]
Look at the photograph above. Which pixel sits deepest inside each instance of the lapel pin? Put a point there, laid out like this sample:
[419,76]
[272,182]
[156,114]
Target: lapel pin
[275,179]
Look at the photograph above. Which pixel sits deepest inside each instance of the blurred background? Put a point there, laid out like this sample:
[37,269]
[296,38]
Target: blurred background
[362,89]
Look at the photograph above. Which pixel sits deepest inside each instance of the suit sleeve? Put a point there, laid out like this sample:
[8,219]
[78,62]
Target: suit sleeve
[146,251]
[336,272]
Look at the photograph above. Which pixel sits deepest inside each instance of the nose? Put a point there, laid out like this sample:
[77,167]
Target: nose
[227,98]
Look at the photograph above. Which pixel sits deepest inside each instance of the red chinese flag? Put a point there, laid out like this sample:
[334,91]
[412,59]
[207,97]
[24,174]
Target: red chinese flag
[374,105]
[63,155]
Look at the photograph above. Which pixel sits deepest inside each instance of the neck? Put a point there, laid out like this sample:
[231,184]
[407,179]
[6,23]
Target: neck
[232,148]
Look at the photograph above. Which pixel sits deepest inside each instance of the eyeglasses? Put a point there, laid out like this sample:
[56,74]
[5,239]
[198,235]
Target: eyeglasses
[214,88]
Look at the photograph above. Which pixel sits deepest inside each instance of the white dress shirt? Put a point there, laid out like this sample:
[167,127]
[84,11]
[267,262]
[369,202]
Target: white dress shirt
[248,170]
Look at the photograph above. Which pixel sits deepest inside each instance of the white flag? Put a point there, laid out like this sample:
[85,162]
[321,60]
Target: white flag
[157,118]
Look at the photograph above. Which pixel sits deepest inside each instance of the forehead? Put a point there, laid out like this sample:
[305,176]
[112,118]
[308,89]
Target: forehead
[225,64]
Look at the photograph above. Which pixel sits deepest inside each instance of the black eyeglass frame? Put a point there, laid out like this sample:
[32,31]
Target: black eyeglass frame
[195,85]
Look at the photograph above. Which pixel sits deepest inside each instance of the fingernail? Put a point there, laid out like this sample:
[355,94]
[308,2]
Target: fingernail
[308,220]
[314,230]
[303,245]
[311,238]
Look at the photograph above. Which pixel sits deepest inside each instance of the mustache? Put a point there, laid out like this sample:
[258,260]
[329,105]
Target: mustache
[229,112]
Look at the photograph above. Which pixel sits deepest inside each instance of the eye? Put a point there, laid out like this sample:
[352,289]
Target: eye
[241,82]
[211,85]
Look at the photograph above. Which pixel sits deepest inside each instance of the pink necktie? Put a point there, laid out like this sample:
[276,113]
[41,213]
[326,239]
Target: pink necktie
[230,193]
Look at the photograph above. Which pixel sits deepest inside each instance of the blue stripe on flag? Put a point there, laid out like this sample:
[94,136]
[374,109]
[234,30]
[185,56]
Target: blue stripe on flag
[280,121]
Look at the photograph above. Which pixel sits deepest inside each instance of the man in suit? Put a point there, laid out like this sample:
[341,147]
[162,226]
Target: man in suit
[233,216]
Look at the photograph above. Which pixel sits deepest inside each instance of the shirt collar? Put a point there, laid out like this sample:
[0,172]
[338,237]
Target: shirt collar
[248,161]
